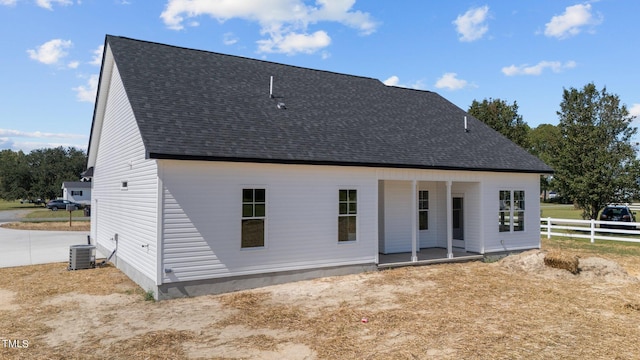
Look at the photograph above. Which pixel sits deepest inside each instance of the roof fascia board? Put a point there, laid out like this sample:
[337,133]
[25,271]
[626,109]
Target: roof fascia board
[160,156]
[104,85]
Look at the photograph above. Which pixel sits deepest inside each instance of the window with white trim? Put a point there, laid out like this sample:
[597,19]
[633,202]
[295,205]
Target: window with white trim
[253,217]
[423,210]
[511,213]
[76,192]
[347,215]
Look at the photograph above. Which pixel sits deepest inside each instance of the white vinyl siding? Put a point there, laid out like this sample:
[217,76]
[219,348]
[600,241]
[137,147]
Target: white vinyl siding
[131,214]
[202,210]
[397,214]
[82,196]
[511,240]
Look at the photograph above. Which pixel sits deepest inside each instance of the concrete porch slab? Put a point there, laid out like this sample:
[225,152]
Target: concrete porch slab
[425,257]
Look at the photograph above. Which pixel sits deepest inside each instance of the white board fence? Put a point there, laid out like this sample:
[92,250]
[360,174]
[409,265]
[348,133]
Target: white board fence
[590,229]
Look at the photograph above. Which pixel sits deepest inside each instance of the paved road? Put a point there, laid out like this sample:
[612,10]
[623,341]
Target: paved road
[13,215]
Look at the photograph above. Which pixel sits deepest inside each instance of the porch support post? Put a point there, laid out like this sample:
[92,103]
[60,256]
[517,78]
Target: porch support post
[414,221]
[449,222]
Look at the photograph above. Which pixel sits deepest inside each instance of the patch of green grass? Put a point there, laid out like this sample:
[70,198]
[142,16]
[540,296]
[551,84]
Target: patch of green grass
[149,296]
[16,205]
[560,211]
[600,246]
[49,214]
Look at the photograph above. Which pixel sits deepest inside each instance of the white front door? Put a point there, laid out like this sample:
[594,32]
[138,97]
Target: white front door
[458,221]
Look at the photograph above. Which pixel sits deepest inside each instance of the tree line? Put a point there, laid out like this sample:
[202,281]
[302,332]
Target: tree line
[40,173]
[591,149]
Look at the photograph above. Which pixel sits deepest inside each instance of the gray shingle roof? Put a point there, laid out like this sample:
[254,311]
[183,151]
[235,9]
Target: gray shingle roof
[76,184]
[192,104]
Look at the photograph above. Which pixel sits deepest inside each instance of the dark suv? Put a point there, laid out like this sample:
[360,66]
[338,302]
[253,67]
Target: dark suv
[62,204]
[620,213]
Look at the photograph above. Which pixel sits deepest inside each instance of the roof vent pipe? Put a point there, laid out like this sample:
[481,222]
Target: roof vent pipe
[466,129]
[271,88]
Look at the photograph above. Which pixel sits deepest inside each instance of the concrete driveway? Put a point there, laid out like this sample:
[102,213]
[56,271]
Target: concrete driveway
[29,247]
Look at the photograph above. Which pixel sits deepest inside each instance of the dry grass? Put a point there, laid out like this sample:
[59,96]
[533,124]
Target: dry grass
[517,309]
[37,283]
[50,225]
[560,260]
[30,287]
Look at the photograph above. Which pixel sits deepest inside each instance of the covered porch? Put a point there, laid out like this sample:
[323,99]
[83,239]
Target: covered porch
[424,221]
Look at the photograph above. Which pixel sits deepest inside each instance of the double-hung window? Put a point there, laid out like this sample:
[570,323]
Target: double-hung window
[253,217]
[347,215]
[511,213]
[423,210]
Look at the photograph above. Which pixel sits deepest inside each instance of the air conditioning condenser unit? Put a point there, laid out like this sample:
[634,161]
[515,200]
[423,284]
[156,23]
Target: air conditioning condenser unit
[82,257]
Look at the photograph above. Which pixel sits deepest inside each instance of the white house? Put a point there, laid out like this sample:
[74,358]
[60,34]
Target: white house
[77,191]
[214,172]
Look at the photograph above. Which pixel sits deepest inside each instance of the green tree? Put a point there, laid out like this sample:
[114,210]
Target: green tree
[51,167]
[40,173]
[15,176]
[542,143]
[595,162]
[502,117]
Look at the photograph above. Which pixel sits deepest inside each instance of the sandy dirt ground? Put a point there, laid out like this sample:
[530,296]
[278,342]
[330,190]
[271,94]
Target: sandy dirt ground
[516,308]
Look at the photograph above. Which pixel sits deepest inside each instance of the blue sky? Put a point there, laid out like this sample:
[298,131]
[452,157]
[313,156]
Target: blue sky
[525,51]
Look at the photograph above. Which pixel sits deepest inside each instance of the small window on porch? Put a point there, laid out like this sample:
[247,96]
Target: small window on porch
[423,209]
[347,213]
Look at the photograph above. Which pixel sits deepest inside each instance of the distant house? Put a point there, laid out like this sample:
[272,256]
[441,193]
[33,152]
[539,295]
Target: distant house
[77,191]
[214,172]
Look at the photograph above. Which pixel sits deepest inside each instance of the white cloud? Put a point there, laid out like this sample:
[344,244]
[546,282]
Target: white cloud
[472,25]
[30,140]
[525,69]
[450,81]
[392,81]
[48,4]
[28,146]
[38,134]
[73,64]
[285,23]
[634,110]
[8,2]
[340,11]
[51,51]
[292,43]
[395,81]
[571,22]
[97,56]
[229,39]
[88,93]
